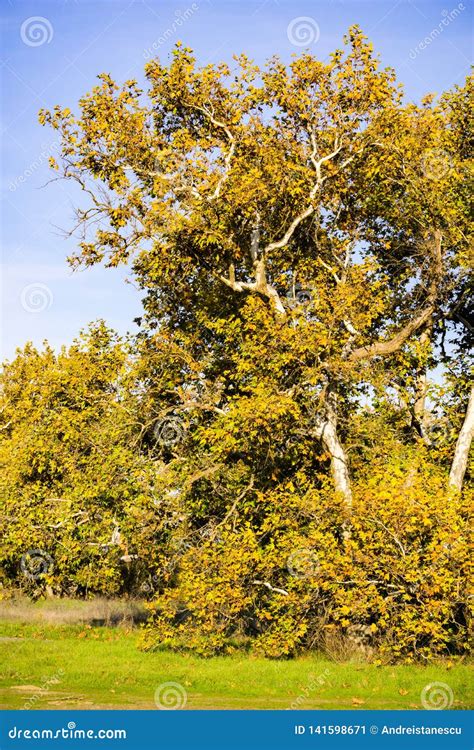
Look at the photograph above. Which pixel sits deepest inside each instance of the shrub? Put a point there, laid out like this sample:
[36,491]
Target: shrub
[395,585]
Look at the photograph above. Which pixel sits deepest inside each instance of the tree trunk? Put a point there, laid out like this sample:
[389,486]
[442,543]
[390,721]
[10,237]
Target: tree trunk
[327,431]
[463,445]
[339,470]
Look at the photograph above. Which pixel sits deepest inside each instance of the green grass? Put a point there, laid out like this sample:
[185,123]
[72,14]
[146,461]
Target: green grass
[102,668]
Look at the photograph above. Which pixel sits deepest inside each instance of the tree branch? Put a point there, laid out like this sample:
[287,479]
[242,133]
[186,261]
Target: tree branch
[230,153]
[383,348]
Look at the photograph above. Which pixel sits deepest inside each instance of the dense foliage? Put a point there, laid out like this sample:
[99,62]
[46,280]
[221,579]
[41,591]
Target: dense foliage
[267,461]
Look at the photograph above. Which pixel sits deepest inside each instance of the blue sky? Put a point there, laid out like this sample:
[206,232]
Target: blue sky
[55,58]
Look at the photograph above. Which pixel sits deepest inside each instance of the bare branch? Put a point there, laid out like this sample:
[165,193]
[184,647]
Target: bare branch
[394,537]
[320,180]
[270,587]
[230,153]
[259,286]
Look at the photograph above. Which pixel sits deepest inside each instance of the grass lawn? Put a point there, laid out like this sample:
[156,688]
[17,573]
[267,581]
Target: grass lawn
[83,667]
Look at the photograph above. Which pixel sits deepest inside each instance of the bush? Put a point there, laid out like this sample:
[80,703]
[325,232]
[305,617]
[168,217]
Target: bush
[74,489]
[393,585]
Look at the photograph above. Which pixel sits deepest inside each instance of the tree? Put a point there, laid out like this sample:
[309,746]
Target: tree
[269,184]
[75,494]
[302,238]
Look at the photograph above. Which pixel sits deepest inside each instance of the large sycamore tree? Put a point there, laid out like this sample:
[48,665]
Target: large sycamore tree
[302,239]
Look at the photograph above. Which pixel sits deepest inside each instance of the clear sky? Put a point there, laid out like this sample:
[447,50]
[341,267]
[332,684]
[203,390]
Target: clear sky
[53,49]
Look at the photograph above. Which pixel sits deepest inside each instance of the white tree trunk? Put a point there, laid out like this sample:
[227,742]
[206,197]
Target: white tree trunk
[339,470]
[327,431]
[463,445]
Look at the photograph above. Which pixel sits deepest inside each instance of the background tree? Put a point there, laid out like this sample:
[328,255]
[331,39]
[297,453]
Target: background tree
[73,487]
